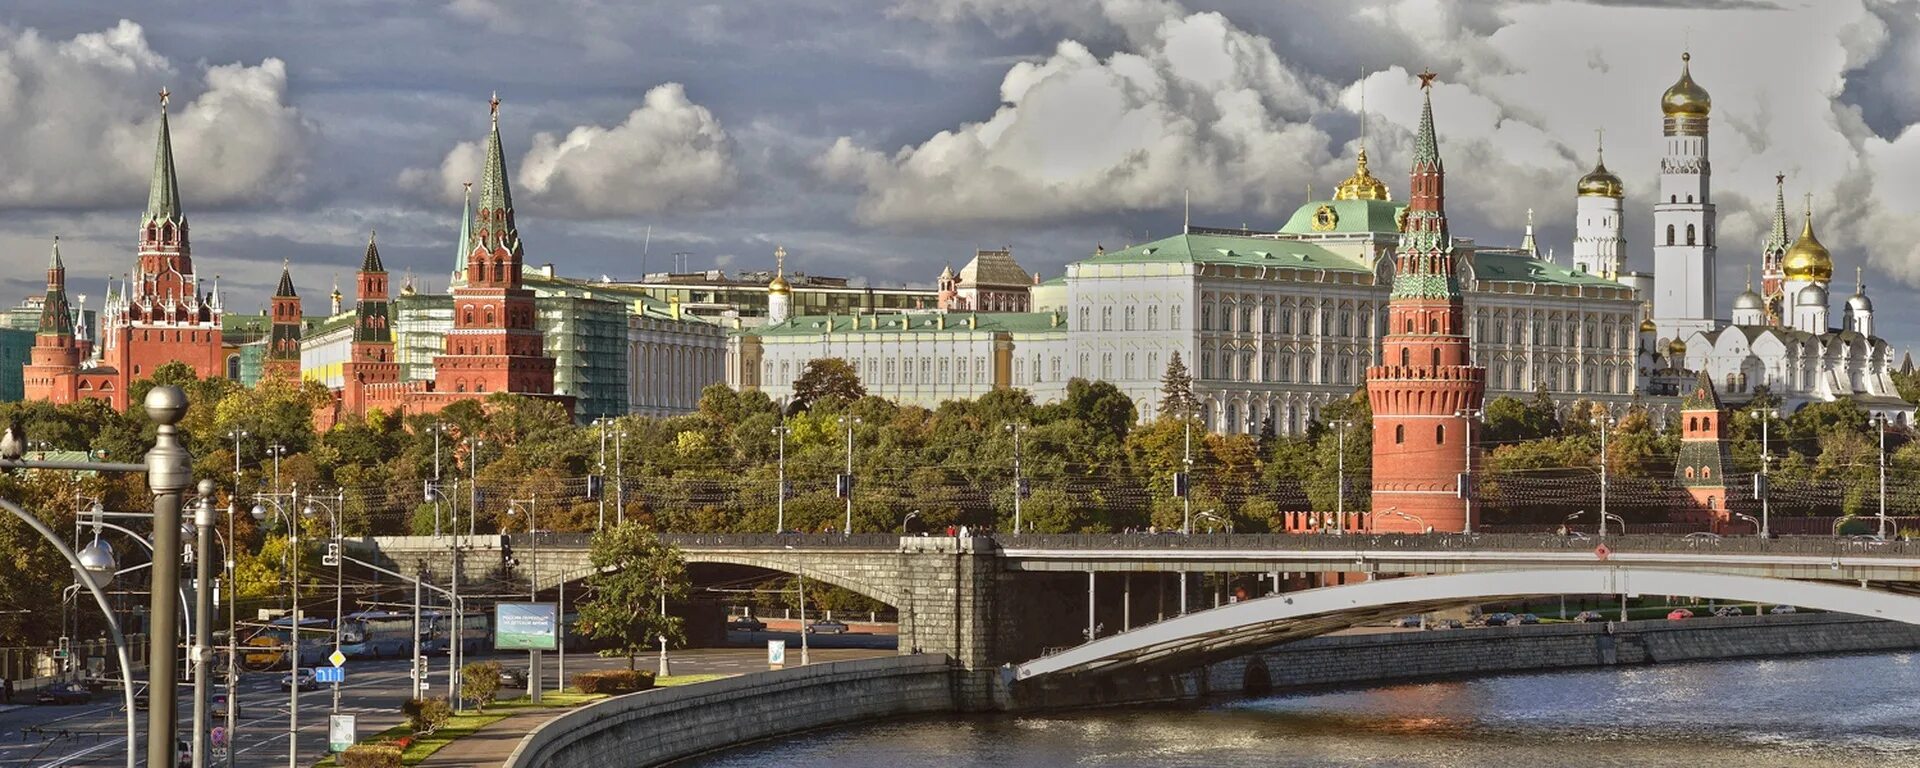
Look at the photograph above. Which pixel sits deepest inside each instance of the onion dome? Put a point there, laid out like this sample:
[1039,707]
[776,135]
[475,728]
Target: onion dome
[1676,348]
[1686,97]
[1859,302]
[779,282]
[1808,260]
[1648,326]
[1601,182]
[1362,185]
[1749,300]
[1811,296]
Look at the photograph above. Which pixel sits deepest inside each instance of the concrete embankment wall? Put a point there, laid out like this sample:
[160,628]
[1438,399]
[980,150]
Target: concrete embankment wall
[1415,655]
[666,724]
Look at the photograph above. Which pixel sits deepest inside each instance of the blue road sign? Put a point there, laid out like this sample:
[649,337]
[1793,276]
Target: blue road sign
[330,674]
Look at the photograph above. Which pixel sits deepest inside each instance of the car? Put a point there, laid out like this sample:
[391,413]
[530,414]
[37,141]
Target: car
[1701,536]
[302,677]
[1728,610]
[64,693]
[827,627]
[747,624]
[1528,618]
[1588,617]
[219,704]
[182,753]
[1444,624]
[1499,619]
[1783,609]
[512,678]
[1679,614]
[1407,622]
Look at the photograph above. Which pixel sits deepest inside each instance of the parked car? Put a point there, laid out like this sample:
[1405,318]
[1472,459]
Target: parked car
[512,678]
[1780,609]
[1679,614]
[219,704]
[1587,617]
[1407,622]
[1701,536]
[827,627]
[747,624]
[1444,624]
[302,677]
[1528,618]
[64,693]
[1728,610]
[1499,619]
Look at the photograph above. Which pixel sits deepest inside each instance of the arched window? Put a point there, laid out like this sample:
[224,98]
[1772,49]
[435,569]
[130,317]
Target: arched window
[1439,434]
[1399,433]
[1669,234]
[1689,234]
[1706,472]
[1706,423]
[1406,357]
[1693,424]
[1436,357]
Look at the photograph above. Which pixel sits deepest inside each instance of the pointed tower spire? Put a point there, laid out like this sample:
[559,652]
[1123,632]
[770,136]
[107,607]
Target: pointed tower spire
[466,236]
[163,191]
[1425,266]
[1777,241]
[285,289]
[371,262]
[494,217]
[56,317]
[1527,243]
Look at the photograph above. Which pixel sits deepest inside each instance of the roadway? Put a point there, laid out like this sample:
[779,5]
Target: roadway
[93,735]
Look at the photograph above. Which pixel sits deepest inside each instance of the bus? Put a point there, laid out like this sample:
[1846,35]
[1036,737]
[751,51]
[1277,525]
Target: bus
[266,648]
[439,624]
[377,634]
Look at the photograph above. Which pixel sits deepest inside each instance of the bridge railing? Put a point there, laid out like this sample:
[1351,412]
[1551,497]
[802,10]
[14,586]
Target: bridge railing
[583,540]
[1631,543]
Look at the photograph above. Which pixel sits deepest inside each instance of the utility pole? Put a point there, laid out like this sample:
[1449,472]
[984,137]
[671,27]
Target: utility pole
[233,621]
[278,451]
[602,422]
[237,435]
[169,475]
[1340,502]
[1466,478]
[847,530]
[780,496]
[1762,486]
[1880,421]
[1605,423]
[1186,496]
[201,652]
[533,584]
[619,476]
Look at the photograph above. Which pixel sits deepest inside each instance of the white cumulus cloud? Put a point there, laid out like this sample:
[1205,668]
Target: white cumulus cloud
[669,154]
[80,119]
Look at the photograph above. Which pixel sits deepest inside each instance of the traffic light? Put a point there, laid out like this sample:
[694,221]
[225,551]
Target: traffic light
[842,485]
[1464,486]
[506,552]
[332,558]
[1023,488]
[1180,488]
[1759,486]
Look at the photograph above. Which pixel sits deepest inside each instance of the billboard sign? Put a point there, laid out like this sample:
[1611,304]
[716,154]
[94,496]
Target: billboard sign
[525,627]
[340,732]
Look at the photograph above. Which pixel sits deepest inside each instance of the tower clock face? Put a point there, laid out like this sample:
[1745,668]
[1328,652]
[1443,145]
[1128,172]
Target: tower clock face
[1325,219]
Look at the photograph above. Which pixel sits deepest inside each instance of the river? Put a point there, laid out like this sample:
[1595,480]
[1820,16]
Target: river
[1812,711]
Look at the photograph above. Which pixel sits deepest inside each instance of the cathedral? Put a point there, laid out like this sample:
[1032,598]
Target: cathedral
[159,315]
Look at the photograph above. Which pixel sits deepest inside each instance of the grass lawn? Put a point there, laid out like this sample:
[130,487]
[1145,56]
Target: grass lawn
[466,723]
[671,680]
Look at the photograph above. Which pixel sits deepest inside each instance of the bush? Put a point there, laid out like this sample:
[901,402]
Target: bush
[371,756]
[479,683]
[613,681]
[426,715]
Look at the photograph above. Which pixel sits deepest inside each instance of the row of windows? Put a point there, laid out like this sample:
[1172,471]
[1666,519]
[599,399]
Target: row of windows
[1129,318]
[1439,434]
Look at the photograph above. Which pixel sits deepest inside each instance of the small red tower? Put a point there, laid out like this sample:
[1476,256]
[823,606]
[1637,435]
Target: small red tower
[370,358]
[1701,466]
[53,365]
[1426,386]
[283,343]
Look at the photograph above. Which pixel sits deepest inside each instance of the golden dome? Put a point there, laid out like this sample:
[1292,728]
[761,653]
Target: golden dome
[1648,326]
[779,282]
[1361,185]
[1686,97]
[1601,182]
[779,285]
[1808,260]
[1676,348]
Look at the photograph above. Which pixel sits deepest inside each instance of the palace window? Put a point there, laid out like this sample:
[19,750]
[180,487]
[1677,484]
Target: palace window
[1439,434]
[1399,433]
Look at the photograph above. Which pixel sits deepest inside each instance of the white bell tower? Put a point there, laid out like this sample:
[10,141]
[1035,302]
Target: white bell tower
[1683,216]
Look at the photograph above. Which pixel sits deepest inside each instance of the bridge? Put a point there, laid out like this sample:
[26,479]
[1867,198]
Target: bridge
[1019,609]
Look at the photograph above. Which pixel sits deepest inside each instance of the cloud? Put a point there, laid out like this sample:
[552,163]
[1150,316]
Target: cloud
[80,120]
[670,154]
[1203,106]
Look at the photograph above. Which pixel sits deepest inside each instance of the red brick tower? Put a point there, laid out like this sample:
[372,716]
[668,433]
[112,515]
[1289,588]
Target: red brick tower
[1701,466]
[52,366]
[495,345]
[370,358]
[165,318]
[283,343]
[1425,380]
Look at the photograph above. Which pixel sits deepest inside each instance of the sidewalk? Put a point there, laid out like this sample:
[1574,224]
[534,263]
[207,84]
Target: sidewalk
[490,746]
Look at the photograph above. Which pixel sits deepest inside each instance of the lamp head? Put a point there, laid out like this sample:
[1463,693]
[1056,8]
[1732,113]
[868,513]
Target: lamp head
[259,512]
[97,559]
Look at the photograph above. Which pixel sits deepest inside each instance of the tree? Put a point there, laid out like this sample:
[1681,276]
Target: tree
[480,683]
[826,379]
[1176,390]
[635,575]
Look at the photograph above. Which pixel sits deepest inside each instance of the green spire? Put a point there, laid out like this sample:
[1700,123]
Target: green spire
[1426,147]
[56,316]
[496,200]
[371,263]
[285,290]
[55,262]
[163,192]
[1777,240]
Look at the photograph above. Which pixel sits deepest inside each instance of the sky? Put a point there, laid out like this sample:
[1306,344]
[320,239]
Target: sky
[882,139]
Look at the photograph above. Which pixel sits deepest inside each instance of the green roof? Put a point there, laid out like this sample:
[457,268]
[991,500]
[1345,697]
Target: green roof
[1515,267]
[1350,217]
[1235,250]
[930,323]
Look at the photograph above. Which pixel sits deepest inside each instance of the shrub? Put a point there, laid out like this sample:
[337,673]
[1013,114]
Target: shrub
[426,715]
[384,755]
[479,683]
[613,681]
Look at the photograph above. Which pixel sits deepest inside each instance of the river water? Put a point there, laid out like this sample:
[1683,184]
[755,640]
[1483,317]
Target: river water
[1816,711]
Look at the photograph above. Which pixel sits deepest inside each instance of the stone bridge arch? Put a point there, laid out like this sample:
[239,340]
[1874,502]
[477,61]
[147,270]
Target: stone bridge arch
[1232,630]
[839,573]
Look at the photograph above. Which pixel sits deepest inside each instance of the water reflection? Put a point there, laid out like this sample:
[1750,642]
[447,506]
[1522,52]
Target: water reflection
[1833,711]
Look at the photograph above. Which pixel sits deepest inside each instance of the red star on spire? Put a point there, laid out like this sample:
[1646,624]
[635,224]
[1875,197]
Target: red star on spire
[1426,80]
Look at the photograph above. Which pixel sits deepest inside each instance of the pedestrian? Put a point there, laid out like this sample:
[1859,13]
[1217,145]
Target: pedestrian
[950,531]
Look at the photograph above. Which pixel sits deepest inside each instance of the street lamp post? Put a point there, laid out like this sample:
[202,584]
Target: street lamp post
[531,504]
[1467,415]
[293,620]
[276,451]
[1764,486]
[169,475]
[202,649]
[1186,493]
[1605,424]
[1880,422]
[601,422]
[619,476]
[847,529]
[1340,500]
[1019,484]
[339,585]
[904,520]
[780,495]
